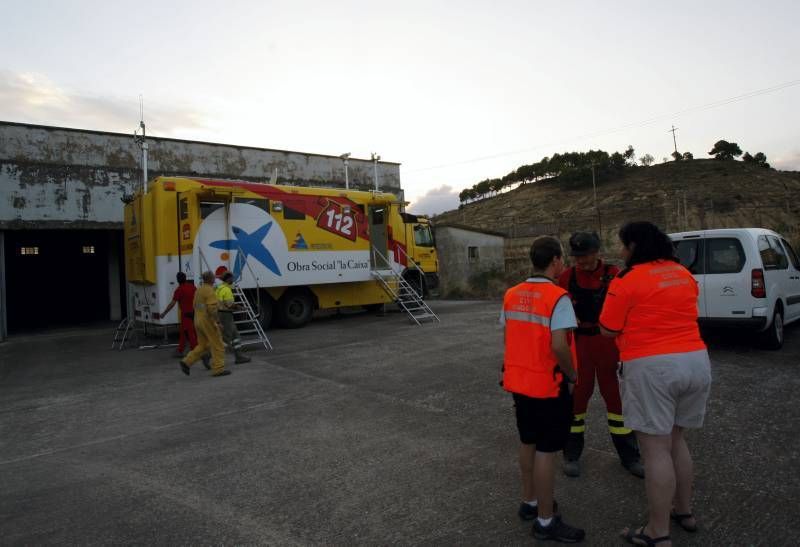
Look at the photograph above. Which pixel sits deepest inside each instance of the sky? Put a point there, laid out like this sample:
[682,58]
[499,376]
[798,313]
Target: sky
[454,91]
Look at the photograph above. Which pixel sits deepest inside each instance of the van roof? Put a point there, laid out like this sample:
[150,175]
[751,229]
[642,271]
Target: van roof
[723,232]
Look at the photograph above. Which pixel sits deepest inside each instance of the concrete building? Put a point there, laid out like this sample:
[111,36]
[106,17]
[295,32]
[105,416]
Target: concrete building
[471,261]
[61,210]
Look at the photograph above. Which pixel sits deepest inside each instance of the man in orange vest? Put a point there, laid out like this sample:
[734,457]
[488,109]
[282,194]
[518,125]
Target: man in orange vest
[539,370]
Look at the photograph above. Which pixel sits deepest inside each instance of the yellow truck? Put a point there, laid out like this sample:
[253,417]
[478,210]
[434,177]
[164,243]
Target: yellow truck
[293,249]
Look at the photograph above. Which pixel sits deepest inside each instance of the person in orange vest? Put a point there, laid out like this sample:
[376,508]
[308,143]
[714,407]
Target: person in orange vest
[587,282]
[539,370]
[665,375]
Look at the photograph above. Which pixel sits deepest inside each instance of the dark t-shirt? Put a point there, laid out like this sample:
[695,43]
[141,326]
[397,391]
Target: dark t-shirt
[184,295]
[587,280]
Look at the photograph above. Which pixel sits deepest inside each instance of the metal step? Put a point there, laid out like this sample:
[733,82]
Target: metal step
[400,291]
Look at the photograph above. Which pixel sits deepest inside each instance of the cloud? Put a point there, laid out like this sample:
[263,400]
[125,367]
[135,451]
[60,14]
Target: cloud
[436,201]
[789,161]
[34,98]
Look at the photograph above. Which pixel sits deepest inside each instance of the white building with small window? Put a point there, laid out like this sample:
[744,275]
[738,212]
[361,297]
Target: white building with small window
[470,259]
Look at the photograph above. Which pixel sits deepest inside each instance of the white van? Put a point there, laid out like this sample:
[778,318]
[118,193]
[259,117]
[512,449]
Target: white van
[748,277]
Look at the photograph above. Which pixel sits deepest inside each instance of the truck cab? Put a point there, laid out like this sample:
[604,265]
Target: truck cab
[422,267]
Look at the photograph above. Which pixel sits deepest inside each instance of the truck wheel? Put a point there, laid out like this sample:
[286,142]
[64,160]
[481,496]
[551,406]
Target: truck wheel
[416,281]
[265,310]
[295,308]
[773,337]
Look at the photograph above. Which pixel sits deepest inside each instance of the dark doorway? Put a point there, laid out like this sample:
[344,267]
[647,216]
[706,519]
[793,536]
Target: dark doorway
[57,278]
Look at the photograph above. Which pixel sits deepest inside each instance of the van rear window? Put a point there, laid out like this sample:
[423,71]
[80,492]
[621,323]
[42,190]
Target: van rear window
[724,255]
[716,255]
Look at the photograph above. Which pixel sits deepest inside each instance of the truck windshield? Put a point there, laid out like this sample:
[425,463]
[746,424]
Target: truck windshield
[422,236]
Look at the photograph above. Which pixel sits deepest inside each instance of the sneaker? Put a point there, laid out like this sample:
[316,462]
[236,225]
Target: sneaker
[528,512]
[635,468]
[223,373]
[572,468]
[558,530]
[184,367]
[207,361]
[241,359]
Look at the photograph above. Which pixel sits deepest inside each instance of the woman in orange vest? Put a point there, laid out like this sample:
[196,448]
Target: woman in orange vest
[665,375]
[538,368]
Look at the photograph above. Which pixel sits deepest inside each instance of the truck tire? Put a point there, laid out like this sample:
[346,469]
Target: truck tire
[265,310]
[772,338]
[295,308]
[417,281]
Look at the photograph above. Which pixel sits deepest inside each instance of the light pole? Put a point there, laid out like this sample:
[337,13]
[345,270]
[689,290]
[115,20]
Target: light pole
[376,158]
[345,157]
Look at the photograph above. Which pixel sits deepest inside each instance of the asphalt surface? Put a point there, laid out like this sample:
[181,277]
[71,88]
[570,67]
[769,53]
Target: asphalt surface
[355,430]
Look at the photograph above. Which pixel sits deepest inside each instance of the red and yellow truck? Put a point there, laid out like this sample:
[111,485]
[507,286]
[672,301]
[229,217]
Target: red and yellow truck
[293,249]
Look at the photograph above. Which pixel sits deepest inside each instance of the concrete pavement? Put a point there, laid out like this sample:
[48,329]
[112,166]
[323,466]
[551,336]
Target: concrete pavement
[356,430]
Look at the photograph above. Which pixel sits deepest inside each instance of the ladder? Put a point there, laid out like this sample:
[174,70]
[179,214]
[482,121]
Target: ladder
[401,291]
[121,333]
[247,322]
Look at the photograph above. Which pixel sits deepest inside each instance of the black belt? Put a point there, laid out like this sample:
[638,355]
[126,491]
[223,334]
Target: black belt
[588,331]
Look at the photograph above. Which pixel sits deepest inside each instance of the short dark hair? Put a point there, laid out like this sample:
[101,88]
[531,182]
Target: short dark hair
[226,276]
[181,277]
[650,243]
[543,250]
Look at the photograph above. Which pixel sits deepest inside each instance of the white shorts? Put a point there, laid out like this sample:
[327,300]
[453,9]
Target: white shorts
[663,391]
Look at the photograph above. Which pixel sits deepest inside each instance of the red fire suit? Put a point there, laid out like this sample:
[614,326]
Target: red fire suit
[597,359]
[184,296]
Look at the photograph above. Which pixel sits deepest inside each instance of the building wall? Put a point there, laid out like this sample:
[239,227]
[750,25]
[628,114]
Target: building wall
[461,275]
[54,177]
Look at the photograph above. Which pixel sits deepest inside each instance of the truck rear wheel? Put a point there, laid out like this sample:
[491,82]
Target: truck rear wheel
[773,336]
[264,311]
[295,308]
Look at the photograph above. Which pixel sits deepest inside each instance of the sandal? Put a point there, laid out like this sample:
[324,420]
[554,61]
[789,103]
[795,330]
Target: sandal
[638,537]
[680,518]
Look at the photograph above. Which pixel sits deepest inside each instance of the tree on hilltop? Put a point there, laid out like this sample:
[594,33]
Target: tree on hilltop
[677,156]
[759,159]
[647,160]
[688,156]
[724,150]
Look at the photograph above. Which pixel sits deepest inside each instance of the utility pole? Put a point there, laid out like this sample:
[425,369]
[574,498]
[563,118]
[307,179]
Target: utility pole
[596,208]
[376,158]
[674,141]
[345,157]
[142,143]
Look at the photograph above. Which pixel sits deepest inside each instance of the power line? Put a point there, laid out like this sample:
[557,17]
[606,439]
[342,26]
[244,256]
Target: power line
[632,125]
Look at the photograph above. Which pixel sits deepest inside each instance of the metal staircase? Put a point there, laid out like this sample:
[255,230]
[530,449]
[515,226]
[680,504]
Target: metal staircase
[401,291]
[247,322]
[121,333]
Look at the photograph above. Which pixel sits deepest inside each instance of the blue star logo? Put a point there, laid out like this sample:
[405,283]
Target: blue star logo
[247,245]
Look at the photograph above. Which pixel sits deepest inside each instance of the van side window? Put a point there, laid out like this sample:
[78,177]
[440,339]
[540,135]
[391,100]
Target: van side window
[792,255]
[690,254]
[725,255]
[772,254]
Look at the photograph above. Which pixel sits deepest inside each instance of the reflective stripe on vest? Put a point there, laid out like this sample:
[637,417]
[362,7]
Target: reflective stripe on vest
[529,366]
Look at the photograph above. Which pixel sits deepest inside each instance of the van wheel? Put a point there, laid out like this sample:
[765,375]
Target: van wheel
[773,337]
[295,308]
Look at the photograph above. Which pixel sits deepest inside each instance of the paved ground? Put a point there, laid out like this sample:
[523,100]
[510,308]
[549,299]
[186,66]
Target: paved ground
[355,430]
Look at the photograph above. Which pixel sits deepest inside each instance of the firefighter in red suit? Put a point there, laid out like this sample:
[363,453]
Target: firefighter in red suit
[184,297]
[587,282]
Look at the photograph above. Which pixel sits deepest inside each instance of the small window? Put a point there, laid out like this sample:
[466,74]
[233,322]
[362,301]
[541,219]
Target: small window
[792,255]
[262,204]
[472,254]
[725,255]
[183,207]
[292,212]
[690,254]
[208,207]
[28,251]
[377,216]
[772,254]
[88,249]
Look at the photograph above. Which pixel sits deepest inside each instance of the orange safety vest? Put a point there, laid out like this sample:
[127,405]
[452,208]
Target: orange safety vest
[530,367]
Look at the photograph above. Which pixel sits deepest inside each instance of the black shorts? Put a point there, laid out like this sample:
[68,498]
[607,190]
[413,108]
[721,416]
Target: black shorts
[544,422]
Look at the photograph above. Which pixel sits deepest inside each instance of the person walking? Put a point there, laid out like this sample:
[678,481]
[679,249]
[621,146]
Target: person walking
[209,335]
[184,298]
[587,282]
[538,370]
[665,374]
[227,308]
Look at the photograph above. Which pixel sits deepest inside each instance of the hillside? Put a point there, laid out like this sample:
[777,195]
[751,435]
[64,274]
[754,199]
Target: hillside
[684,195]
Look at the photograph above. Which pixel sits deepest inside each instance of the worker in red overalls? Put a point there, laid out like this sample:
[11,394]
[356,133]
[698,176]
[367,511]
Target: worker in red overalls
[587,282]
[184,298]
